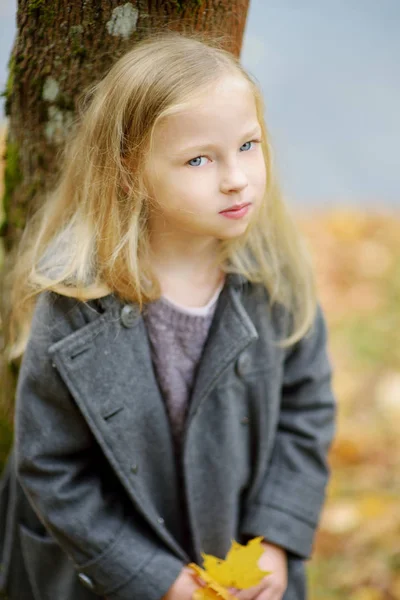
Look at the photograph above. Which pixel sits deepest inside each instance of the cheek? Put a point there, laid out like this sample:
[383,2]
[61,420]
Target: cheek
[189,188]
[165,190]
[259,174]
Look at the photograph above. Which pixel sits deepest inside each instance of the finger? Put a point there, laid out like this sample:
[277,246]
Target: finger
[200,582]
[245,594]
[265,595]
[271,592]
[196,578]
[269,595]
[250,593]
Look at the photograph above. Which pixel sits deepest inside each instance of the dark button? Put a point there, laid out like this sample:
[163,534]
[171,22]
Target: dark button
[243,364]
[129,315]
[134,469]
[245,421]
[86,581]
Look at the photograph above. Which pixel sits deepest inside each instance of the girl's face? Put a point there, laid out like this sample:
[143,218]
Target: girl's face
[206,171]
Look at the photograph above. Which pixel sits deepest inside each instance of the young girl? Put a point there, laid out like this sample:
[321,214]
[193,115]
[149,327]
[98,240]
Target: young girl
[174,392]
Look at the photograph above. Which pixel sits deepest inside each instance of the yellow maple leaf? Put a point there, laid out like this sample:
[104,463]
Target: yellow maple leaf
[239,570]
[207,593]
[213,588]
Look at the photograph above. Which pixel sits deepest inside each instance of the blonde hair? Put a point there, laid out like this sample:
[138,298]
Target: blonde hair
[90,237]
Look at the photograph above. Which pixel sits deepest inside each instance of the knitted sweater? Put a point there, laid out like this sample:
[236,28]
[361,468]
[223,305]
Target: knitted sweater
[177,336]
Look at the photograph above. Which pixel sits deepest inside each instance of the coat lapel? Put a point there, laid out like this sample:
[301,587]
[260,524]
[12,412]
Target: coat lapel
[107,368]
[230,333]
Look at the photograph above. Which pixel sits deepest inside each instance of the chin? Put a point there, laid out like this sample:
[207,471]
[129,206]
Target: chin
[230,233]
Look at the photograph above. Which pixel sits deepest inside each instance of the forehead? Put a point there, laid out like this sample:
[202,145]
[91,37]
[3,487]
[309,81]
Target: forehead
[226,108]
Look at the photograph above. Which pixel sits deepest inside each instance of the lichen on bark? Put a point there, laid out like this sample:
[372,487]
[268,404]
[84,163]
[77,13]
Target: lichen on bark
[51,89]
[58,125]
[123,21]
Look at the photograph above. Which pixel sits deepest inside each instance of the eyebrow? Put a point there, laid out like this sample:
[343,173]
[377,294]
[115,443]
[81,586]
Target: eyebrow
[203,146]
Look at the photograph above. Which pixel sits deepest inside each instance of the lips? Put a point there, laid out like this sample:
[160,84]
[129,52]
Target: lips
[235,207]
[236,211]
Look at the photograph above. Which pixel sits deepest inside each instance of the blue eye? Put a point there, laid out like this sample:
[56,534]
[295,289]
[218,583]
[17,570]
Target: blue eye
[246,144]
[195,159]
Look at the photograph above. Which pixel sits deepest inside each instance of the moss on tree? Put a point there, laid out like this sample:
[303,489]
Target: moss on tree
[12,177]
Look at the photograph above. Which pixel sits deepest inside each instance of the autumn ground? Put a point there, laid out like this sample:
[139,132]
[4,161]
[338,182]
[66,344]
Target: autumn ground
[357,261]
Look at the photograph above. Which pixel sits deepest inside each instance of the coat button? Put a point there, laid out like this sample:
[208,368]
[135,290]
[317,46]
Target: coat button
[243,364]
[86,581]
[129,315]
[160,520]
[245,421]
[134,469]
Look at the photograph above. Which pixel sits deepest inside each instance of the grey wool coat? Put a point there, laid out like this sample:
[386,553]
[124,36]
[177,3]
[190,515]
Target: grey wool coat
[90,500]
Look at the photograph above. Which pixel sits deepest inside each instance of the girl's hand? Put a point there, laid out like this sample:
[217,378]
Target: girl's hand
[183,587]
[273,586]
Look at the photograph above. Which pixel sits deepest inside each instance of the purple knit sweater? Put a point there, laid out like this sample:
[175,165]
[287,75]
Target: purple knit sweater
[177,336]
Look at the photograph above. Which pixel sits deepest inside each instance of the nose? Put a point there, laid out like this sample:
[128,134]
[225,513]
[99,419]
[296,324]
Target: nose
[233,179]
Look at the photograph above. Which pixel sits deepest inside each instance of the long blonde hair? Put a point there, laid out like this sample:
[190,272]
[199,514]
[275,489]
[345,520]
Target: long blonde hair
[90,238]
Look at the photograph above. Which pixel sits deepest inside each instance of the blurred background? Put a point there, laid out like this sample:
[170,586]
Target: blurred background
[330,76]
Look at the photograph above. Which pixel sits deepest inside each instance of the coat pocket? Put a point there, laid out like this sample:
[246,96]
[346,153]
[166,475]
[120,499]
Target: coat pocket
[50,571]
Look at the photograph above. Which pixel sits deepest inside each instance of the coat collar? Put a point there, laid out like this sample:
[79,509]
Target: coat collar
[230,333]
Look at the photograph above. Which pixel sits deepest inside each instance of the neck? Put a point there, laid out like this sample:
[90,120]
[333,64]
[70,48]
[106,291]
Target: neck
[186,267]
[184,255]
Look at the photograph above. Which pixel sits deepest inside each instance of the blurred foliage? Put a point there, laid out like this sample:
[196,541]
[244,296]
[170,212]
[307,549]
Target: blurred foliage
[357,261]
[2,173]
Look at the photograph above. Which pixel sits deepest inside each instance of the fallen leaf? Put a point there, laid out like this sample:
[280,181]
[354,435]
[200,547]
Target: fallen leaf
[367,594]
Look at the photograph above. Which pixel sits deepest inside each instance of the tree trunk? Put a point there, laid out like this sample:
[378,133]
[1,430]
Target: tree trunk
[62,48]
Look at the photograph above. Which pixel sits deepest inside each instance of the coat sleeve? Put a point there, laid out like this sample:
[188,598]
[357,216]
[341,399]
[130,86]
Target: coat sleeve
[68,482]
[287,506]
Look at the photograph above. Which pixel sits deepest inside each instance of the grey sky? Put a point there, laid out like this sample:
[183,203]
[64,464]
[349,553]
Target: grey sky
[330,74]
